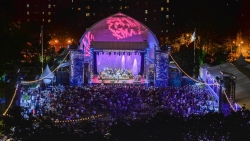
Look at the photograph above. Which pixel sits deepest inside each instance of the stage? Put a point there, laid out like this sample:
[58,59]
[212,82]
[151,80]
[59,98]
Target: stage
[96,80]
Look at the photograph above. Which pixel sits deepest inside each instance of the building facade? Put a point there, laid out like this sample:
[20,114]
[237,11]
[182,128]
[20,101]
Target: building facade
[156,14]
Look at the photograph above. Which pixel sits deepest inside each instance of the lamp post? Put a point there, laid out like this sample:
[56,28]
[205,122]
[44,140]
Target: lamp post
[239,47]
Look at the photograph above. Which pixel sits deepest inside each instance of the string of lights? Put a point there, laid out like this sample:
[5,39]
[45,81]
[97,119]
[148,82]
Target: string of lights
[28,82]
[229,101]
[187,74]
[11,100]
[80,119]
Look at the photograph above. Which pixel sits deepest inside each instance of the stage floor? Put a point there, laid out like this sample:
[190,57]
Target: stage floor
[95,80]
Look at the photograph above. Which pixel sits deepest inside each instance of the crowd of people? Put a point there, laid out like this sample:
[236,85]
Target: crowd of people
[134,109]
[115,101]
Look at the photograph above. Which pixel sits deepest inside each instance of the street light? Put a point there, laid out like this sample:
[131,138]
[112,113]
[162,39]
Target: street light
[239,46]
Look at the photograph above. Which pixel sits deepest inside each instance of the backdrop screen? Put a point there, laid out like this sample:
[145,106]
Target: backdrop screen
[129,62]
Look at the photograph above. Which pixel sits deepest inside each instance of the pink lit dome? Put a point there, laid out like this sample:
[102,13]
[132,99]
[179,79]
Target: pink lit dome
[118,28]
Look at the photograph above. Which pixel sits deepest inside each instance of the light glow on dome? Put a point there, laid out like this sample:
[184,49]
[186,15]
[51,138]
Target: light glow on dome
[123,27]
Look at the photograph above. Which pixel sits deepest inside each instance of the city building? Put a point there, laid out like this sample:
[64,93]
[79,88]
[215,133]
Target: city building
[157,15]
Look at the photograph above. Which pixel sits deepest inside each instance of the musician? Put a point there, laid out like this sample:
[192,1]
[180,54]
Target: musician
[101,78]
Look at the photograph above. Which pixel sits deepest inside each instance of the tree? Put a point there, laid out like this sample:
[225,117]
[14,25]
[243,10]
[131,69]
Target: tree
[212,26]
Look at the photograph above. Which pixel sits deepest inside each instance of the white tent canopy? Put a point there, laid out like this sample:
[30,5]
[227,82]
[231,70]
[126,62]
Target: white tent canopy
[47,75]
[66,64]
[242,92]
[241,61]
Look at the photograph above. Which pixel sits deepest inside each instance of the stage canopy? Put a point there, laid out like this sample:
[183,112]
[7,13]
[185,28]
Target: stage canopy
[119,32]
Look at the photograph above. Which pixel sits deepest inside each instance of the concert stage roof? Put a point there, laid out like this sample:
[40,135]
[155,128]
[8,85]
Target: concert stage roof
[119,32]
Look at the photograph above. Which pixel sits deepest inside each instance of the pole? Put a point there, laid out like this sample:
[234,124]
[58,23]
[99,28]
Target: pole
[194,46]
[42,45]
[194,53]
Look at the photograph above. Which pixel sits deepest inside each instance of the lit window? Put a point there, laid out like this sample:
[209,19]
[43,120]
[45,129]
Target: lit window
[161,30]
[145,19]
[166,22]
[167,9]
[28,13]
[54,5]
[87,14]
[154,10]
[49,20]
[167,16]
[154,19]
[162,8]
[87,7]
[28,20]
[28,5]
[120,7]
[78,9]
[126,7]
[49,5]
[173,23]
[167,1]
[173,15]
[72,1]
[93,14]
[42,12]
[43,20]
[35,13]
[146,11]
[49,13]
[166,30]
